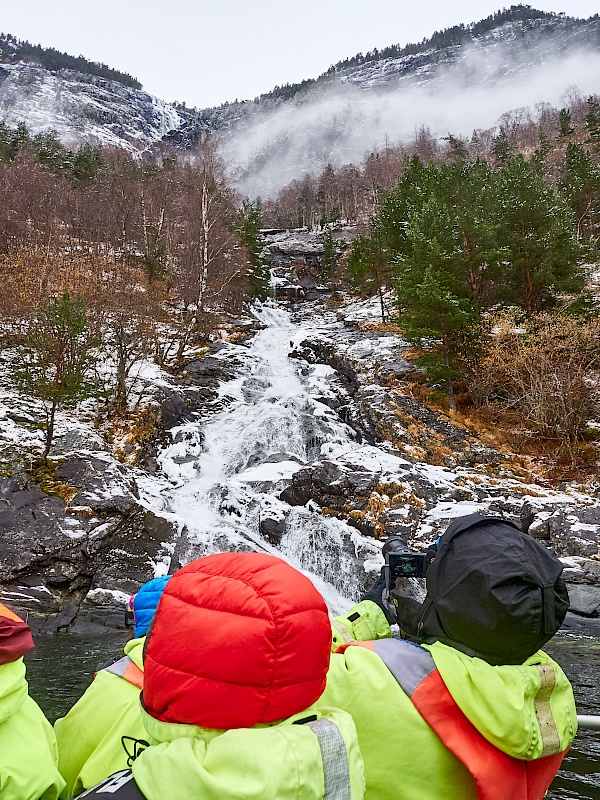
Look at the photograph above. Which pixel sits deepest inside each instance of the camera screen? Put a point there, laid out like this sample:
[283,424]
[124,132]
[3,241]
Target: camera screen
[407,565]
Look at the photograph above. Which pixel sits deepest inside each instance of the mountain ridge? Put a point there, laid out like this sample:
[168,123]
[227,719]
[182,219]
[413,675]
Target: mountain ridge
[444,83]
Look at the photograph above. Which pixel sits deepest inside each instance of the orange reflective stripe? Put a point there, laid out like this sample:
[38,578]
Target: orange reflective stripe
[126,669]
[366,645]
[134,675]
[497,775]
[6,612]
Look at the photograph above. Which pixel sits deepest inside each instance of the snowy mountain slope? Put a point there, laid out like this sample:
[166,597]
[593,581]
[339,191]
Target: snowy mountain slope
[358,106]
[83,108]
[353,110]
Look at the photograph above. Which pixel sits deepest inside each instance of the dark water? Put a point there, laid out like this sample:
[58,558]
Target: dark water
[579,656]
[61,667]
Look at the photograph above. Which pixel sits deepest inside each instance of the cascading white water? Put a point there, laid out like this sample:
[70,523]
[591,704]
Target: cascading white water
[229,469]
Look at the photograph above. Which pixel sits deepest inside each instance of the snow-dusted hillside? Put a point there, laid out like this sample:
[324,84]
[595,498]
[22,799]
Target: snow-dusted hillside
[352,111]
[346,113]
[83,108]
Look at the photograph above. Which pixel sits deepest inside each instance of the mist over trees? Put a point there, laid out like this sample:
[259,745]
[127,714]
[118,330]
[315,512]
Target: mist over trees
[563,140]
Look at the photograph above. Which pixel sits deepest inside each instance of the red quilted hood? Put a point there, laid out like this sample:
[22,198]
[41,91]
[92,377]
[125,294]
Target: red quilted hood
[15,636]
[238,639]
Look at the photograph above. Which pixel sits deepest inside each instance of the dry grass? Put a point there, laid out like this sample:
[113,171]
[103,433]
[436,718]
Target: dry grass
[133,433]
[386,327]
[531,457]
[43,473]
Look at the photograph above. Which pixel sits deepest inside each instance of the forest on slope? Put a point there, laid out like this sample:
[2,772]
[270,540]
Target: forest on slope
[486,246]
[106,261]
[489,246]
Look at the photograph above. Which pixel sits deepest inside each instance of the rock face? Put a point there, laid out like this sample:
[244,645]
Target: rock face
[53,554]
[83,108]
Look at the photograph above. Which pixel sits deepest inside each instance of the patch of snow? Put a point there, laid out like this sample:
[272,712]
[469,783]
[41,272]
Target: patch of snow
[107,597]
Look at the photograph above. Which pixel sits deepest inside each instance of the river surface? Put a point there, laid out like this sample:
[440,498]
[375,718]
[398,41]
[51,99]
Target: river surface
[221,477]
[61,667]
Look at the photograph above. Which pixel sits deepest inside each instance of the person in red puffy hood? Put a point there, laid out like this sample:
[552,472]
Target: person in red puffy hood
[235,661]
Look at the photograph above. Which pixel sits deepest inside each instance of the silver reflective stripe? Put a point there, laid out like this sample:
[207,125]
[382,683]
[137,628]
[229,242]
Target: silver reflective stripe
[340,628]
[543,710]
[335,759]
[119,667]
[409,663]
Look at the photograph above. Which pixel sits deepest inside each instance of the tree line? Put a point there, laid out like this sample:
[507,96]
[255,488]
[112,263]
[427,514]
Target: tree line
[12,49]
[449,37]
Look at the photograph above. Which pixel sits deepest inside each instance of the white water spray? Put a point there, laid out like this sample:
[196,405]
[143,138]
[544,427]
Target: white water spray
[229,470]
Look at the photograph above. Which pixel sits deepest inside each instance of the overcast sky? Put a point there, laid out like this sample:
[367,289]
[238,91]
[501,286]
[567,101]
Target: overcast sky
[206,52]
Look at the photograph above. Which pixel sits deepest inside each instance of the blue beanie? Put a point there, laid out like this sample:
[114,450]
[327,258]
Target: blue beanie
[145,603]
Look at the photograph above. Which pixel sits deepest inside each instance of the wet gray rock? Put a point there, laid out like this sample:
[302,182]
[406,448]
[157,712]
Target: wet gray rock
[32,532]
[272,528]
[575,531]
[325,482]
[103,484]
[584,600]
[173,408]
[53,554]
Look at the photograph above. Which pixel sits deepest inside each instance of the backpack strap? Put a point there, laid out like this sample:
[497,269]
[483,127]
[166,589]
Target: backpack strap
[335,759]
[496,774]
[120,786]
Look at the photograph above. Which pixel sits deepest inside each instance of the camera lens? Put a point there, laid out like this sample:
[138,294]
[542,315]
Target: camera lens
[394,544]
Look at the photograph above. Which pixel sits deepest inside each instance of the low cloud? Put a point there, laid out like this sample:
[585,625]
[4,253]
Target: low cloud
[340,123]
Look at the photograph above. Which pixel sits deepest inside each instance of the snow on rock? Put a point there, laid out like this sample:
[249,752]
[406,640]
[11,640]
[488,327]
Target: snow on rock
[107,597]
[83,108]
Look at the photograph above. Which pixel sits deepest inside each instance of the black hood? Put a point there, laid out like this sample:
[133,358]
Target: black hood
[493,591]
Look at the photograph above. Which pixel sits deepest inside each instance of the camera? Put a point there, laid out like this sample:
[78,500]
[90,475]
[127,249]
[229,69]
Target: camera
[404,562]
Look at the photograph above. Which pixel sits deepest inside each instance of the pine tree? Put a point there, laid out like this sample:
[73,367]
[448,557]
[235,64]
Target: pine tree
[565,124]
[58,359]
[536,228]
[579,184]
[51,152]
[435,318]
[502,149]
[592,119]
[250,224]
[85,164]
[458,148]
[369,267]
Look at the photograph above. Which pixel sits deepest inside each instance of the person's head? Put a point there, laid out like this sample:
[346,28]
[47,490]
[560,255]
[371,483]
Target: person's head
[493,591]
[239,639]
[142,605]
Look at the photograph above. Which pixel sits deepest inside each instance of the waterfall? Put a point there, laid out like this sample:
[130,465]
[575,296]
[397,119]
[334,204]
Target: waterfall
[227,471]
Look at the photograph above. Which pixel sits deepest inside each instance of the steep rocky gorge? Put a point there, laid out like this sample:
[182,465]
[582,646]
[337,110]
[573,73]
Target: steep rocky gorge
[292,435]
